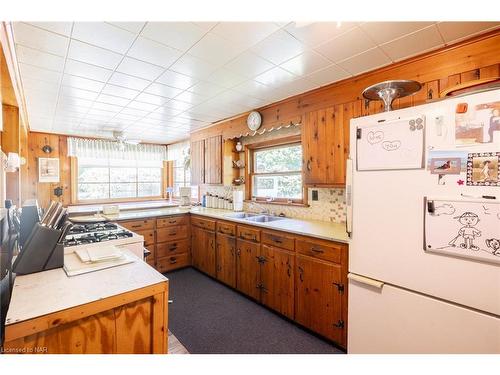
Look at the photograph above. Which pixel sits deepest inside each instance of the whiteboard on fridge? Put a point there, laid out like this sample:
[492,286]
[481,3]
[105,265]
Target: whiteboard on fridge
[397,144]
[464,228]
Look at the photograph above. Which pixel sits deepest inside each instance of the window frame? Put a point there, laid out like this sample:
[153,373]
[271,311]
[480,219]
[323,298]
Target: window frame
[77,201]
[250,172]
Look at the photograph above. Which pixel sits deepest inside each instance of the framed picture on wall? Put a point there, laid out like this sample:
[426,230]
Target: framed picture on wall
[48,169]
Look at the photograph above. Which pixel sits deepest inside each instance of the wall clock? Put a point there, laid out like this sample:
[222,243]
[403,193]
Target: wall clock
[254,120]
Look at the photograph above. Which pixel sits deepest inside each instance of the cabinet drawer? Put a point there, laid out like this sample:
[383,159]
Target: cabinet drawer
[172,248]
[279,240]
[136,225]
[171,233]
[248,233]
[226,228]
[149,236]
[329,251]
[203,223]
[171,221]
[172,262]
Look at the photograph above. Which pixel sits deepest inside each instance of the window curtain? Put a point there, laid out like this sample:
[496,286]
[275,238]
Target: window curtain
[178,151]
[104,149]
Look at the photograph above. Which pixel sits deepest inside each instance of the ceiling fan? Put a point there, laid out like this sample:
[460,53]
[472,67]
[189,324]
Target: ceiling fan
[120,138]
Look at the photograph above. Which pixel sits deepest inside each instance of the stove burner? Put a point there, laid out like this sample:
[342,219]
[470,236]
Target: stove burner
[93,227]
[76,238]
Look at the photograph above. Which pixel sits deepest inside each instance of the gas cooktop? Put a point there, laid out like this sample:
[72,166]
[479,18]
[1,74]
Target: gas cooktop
[92,227]
[88,238]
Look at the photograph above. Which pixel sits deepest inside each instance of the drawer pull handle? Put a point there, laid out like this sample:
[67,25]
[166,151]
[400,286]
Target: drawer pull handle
[173,247]
[172,221]
[173,260]
[317,250]
[172,233]
[301,274]
[137,226]
[277,239]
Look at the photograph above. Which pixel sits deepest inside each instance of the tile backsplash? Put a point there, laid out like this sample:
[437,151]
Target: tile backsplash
[330,205]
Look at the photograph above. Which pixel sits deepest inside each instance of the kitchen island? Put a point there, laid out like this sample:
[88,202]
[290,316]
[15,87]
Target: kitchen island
[123,309]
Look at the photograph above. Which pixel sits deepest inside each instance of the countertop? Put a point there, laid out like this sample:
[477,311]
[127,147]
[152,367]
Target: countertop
[93,208]
[46,292]
[314,228]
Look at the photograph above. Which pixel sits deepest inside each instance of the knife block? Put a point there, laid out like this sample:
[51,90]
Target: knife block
[41,251]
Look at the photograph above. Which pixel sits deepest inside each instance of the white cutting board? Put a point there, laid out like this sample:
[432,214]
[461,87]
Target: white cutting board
[73,266]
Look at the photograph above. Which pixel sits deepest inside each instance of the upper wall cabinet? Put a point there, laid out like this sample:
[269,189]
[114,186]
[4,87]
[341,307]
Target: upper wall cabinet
[207,161]
[325,144]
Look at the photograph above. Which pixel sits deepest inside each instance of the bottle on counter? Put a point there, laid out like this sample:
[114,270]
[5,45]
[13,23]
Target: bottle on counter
[204,200]
[209,200]
[230,204]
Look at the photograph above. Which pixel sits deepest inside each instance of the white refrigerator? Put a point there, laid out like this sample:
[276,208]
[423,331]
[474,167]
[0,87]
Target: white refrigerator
[423,196]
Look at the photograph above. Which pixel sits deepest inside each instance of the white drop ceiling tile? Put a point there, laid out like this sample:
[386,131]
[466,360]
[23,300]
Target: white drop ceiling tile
[346,45]
[300,85]
[103,35]
[225,78]
[328,75]
[193,67]
[82,83]
[180,35]
[245,33]
[147,107]
[78,93]
[134,112]
[164,112]
[178,105]
[279,47]
[34,84]
[413,44]
[134,27]
[84,70]
[315,33]
[151,99]
[43,40]
[63,28]
[149,121]
[454,31]
[253,88]
[366,61]
[128,117]
[93,55]
[206,89]
[383,32]
[139,69]
[127,81]
[275,77]
[115,100]
[33,72]
[249,65]
[191,98]
[162,90]
[215,49]
[177,80]
[122,92]
[71,102]
[153,52]
[106,107]
[38,58]
[305,63]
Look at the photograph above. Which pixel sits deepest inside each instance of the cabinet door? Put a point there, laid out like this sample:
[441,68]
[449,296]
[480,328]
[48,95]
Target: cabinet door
[213,160]
[248,268]
[323,147]
[277,279]
[318,298]
[226,259]
[198,162]
[203,250]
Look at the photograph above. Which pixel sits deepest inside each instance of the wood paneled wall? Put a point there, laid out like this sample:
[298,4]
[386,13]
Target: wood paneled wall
[476,58]
[44,192]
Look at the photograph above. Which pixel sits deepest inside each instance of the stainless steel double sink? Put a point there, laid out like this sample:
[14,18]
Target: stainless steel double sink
[259,218]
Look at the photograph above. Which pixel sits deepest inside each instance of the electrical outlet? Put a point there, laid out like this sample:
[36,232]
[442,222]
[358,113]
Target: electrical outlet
[314,195]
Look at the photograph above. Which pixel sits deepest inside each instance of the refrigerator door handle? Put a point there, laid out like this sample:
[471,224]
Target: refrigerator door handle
[365,280]
[348,197]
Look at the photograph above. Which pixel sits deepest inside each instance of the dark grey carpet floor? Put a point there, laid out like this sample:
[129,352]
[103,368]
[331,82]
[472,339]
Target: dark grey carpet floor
[210,318]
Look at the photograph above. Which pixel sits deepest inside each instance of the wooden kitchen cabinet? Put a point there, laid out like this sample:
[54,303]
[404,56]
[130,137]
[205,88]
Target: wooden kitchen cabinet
[213,160]
[226,259]
[197,162]
[318,297]
[203,250]
[248,268]
[324,147]
[277,279]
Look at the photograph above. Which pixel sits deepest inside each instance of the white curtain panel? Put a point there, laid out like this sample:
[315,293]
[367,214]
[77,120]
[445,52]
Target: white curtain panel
[99,148]
[178,151]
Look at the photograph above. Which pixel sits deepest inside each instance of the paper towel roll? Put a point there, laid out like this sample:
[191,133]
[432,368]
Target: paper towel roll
[238,200]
